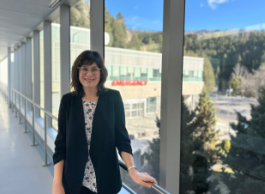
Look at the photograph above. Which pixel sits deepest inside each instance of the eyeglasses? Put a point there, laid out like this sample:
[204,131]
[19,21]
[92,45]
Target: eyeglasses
[94,70]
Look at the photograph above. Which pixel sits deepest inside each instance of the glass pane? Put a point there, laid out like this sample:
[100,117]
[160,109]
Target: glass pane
[134,47]
[223,150]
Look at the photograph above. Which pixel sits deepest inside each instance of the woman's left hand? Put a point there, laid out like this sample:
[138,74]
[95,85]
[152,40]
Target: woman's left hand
[142,178]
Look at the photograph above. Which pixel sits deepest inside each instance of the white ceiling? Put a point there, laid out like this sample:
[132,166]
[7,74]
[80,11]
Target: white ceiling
[18,18]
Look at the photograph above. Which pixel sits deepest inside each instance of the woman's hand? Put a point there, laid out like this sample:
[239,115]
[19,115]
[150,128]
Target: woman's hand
[58,188]
[142,178]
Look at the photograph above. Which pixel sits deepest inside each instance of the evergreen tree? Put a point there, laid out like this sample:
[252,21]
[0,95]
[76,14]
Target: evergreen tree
[119,32]
[187,148]
[109,19]
[153,156]
[247,154]
[208,75]
[80,14]
[205,140]
[206,132]
[135,43]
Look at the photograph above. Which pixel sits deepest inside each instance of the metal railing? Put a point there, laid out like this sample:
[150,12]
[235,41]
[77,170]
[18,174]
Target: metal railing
[154,186]
[16,93]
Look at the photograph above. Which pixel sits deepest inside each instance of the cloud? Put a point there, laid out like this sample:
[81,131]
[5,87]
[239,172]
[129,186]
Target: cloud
[213,3]
[136,22]
[134,18]
[201,4]
[136,7]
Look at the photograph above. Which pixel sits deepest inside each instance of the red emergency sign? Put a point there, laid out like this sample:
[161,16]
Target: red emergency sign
[129,82]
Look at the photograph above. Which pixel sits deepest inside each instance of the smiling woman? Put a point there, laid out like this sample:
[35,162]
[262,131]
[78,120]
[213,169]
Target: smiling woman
[95,128]
[86,62]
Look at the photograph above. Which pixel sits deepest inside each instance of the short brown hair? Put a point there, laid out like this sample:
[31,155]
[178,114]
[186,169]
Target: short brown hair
[87,58]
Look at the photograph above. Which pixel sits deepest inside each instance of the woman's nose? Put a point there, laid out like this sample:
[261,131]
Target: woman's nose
[89,72]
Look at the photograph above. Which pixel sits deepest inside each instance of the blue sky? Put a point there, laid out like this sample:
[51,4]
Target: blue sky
[200,14]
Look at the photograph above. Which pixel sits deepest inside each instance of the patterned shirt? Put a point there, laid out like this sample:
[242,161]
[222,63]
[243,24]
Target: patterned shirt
[89,179]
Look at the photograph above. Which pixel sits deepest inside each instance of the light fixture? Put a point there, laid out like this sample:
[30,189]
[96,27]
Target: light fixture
[54,3]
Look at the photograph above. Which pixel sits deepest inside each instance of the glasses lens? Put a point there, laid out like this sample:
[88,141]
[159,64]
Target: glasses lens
[93,70]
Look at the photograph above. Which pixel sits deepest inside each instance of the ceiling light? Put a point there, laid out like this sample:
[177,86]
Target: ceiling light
[54,3]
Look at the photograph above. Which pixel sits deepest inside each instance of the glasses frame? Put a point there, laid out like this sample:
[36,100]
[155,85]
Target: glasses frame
[89,70]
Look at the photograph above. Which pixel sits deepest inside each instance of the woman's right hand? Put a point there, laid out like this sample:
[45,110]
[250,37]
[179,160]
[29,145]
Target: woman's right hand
[58,188]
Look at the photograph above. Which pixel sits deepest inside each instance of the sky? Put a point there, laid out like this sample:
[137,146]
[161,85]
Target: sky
[199,14]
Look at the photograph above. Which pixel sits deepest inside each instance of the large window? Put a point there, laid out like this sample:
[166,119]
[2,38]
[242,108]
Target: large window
[133,53]
[222,137]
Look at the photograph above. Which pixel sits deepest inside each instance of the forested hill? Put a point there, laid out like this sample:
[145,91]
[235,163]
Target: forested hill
[223,52]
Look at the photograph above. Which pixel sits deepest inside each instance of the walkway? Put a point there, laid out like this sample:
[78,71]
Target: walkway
[21,170]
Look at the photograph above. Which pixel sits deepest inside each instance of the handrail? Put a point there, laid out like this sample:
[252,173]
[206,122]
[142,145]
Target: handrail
[33,121]
[154,186]
[121,163]
[47,112]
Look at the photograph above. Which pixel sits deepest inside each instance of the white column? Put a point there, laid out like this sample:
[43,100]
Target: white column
[28,71]
[36,58]
[19,82]
[47,69]
[64,49]
[9,75]
[97,19]
[23,72]
[172,65]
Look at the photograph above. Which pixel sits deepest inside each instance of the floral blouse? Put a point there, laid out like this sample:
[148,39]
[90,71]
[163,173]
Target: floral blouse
[89,179]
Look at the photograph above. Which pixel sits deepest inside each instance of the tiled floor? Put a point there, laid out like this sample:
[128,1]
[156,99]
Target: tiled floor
[21,170]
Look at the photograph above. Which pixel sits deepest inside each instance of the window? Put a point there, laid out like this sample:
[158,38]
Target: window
[223,152]
[151,105]
[134,52]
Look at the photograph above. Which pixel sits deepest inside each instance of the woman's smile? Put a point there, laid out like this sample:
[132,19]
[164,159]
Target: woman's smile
[89,80]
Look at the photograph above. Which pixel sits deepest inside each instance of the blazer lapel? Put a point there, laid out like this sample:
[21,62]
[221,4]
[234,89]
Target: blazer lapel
[79,122]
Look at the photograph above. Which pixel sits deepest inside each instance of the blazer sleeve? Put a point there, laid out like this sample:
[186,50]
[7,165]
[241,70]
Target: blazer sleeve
[122,140]
[60,141]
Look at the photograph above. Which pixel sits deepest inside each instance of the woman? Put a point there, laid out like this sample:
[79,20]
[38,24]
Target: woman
[91,124]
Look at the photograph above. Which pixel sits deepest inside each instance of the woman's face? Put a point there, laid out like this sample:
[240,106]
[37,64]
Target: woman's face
[89,75]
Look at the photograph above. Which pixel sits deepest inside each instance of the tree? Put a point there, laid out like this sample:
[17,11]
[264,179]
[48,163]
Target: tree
[208,75]
[119,31]
[153,156]
[205,140]
[135,43]
[80,14]
[235,85]
[247,154]
[253,82]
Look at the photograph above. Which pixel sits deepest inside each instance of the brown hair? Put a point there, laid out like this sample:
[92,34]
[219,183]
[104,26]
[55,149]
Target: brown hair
[87,58]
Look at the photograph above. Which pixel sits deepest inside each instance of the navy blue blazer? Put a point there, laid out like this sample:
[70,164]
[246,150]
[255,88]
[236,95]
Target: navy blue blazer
[108,132]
